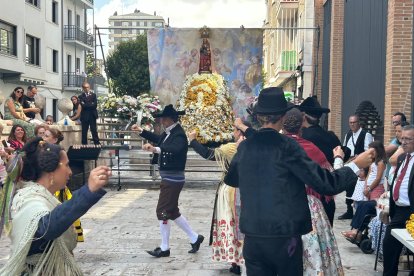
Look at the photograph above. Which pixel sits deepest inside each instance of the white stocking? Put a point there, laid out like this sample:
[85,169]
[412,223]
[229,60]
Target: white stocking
[165,227]
[183,224]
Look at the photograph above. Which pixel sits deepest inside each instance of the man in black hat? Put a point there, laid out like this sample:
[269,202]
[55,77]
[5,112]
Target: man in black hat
[271,171]
[326,141]
[170,153]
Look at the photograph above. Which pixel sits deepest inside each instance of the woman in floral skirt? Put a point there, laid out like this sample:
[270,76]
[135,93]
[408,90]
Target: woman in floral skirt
[226,239]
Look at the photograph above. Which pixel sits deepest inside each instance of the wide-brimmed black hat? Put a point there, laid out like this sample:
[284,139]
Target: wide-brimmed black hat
[169,111]
[312,107]
[271,101]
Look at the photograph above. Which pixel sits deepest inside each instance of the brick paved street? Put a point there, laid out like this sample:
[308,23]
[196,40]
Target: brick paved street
[123,225]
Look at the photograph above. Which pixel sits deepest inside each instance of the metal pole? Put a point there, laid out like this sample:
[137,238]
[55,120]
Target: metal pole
[103,57]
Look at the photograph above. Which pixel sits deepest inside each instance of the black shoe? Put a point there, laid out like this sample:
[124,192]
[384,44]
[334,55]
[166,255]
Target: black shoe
[346,215]
[157,252]
[196,246]
[235,269]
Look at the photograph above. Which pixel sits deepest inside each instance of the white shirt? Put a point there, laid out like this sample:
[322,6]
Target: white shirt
[367,141]
[168,131]
[403,199]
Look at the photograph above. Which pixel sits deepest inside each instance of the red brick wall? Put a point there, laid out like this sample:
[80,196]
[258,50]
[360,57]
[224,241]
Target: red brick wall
[398,62]
[336,64]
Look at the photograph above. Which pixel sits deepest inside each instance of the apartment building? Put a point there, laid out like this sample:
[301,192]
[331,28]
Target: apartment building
[128,26]
[44,42]
[288,45]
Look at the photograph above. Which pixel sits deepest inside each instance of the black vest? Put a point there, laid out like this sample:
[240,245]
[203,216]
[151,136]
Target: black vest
[359,145]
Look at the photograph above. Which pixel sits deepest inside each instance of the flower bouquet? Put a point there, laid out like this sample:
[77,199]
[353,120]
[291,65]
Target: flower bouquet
[206,101]
[148,106]
[108,105]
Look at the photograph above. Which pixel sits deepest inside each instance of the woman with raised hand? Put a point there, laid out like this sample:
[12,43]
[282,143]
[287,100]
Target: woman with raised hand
[40,227]
[55,136]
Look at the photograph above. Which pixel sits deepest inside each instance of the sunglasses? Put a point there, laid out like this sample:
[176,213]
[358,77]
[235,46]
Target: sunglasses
[19,91]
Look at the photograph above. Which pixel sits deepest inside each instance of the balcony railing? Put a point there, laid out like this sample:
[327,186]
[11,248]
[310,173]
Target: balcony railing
[71,79]
[72,32]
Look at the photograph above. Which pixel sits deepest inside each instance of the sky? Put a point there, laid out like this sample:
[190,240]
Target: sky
[187,13]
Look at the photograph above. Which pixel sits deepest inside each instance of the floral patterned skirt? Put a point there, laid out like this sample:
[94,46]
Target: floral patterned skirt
[320,251]
[226,245]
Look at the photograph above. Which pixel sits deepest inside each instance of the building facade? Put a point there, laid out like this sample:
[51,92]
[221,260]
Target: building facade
[367,57]
[128,26]
[43,42]
[289,38]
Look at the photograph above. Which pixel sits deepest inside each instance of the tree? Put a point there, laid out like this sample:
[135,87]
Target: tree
[128,68]
[90,66]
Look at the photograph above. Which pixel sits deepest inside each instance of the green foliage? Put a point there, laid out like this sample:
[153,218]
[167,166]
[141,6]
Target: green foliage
[128,67]
[90,64]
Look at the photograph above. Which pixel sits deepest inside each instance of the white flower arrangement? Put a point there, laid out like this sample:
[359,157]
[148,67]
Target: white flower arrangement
[206,100]
[127,106]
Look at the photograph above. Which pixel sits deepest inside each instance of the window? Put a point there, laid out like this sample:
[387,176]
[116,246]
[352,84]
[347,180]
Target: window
[157,24]
[55,12]
[32,50]
[7,38]
[145,23]
[117,23]
[125,24]
[125,31]
[117,31]
[55,59]
[78,65]
[34,2]
[69,17]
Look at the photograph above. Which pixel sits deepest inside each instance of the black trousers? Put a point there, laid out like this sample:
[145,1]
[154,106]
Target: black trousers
[391,246]
[86,123]
[273,256]
[330,208]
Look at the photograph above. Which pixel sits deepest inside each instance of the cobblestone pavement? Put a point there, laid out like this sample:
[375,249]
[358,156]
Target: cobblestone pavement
[123,225]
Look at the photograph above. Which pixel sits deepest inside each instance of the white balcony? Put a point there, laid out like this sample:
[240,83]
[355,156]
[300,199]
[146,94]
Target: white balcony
[286,9]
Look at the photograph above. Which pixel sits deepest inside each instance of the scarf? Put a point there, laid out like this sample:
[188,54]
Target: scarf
[30,204]
[317,156]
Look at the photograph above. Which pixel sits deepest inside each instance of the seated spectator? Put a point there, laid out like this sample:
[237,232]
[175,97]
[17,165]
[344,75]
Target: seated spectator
[76,111]
[17,137]
[358,195]
[39,130]
[397,119]
[53,136]
[13,110]
[49,120]
[373,190]
[28,103]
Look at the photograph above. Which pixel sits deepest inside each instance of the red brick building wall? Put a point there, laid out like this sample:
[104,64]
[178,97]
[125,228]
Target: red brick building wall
[336,65]
[399,62]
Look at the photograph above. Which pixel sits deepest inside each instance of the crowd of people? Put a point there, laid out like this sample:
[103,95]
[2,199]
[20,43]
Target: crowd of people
[274,207]
[20,109]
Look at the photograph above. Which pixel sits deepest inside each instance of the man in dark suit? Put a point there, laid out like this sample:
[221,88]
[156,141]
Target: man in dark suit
[271,171]
[89,114]
[326,141]
[401,201]
[170,153]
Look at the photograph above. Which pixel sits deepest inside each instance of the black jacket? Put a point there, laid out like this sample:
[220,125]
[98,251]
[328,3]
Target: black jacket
[410,186]
[89,104]
[173,154]
[326,141]
[271,171]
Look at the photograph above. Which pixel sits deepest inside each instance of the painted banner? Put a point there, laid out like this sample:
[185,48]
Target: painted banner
[236,54]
